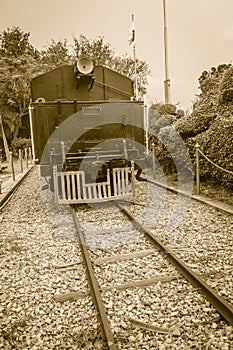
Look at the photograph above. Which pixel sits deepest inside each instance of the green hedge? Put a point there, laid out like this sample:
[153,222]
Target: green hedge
[194,124]
[210,125]
[216,143]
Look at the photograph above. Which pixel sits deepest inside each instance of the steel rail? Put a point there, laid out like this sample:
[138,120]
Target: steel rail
[94,286]
[7,197]
[226,208]
[222,306]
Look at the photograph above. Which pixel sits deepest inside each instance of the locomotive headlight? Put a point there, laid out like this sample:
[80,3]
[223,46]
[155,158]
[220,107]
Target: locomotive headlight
[84,70]
[84,66]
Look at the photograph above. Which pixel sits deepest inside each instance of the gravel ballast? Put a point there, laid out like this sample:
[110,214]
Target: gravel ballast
[32,250]
[164,316]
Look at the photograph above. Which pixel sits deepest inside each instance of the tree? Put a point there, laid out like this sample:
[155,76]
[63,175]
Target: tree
[15,77]
[15,43]
[56,54]
[125,66]
[97,50]
[18,63]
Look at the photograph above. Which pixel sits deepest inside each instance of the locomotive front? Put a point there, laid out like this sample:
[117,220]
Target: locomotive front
[87,134]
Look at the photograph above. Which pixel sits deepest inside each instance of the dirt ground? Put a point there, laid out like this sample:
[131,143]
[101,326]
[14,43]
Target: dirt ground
[6,170]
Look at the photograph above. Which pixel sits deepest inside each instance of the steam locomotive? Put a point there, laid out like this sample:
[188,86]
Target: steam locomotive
[87,132]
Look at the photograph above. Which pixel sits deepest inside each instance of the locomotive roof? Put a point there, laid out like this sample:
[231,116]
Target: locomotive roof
[63,83]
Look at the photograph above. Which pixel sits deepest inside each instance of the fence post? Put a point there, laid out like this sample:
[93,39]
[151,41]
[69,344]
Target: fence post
[12,166]
[26,156]
[153,158]
[30,154]
[133,179]
[197,146]
[63,151]
[20,160]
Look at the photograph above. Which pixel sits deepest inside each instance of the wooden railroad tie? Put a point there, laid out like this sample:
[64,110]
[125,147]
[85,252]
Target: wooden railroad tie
[72,296]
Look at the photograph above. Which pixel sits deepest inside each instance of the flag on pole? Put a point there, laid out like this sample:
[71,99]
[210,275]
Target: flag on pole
[132,33]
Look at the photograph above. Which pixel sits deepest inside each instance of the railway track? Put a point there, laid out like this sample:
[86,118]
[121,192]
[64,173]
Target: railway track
[148,303]
[221,305]
[10,193]
[154,267]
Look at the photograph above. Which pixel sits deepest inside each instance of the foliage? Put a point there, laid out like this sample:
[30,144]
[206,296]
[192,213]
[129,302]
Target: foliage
[171,152]
[125,66]
[226,93]
[18,64]
[175,150]
[15,77]
[169,149]
[211,124]
[162,115]
[164,108]
[97,50]
[57,53]
[205,109]
[216,144]
[15,43]
[158,124]
[194,124]
[180,113]
[213,84]
[20,143]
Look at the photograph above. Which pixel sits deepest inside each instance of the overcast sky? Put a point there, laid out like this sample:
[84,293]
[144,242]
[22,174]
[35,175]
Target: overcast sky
[200,33]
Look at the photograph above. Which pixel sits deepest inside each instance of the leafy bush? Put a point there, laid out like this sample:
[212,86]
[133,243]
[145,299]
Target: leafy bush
[162,115]
[216,144]
[159,123]
[20,143]
[194,124]
[226,94]
[180,113]
[171,152]
[176,151]
[164,108]
[211,125]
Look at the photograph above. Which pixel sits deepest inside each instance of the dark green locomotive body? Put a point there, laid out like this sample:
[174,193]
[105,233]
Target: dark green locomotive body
[83,121]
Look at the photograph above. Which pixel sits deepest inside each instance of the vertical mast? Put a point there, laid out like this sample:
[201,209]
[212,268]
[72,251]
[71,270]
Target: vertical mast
[167,80]
[132,43]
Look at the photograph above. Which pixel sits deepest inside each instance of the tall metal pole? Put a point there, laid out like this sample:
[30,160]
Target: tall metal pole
[133,45]
[30,108]
[135,73]
[167,80]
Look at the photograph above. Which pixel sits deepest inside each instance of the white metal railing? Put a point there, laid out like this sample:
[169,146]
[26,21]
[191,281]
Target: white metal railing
[71,187]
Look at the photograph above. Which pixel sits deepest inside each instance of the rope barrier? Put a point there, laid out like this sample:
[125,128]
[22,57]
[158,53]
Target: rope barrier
[217,166]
